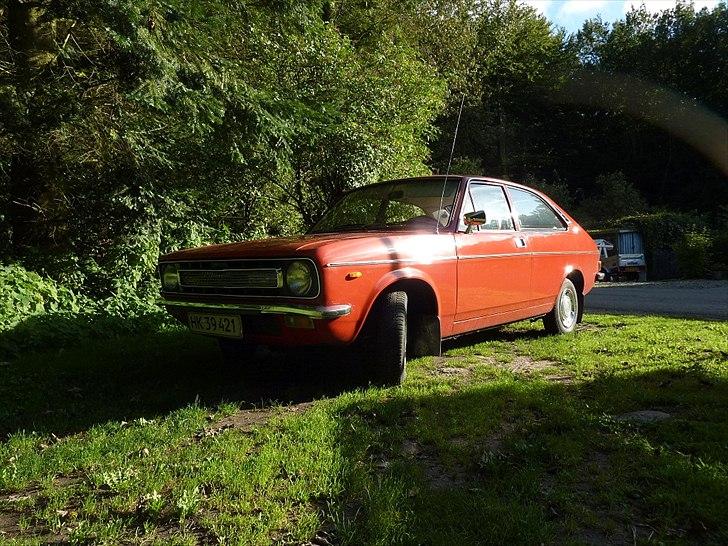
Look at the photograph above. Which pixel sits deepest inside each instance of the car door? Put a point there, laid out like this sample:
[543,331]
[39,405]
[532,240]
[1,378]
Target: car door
[549,242]
[494,263]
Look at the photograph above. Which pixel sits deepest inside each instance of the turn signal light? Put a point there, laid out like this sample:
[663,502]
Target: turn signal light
[298,321]
[353,275]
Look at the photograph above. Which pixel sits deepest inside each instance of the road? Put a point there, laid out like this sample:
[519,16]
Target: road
[692,299]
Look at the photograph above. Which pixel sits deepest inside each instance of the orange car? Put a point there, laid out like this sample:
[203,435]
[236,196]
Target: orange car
[401,264]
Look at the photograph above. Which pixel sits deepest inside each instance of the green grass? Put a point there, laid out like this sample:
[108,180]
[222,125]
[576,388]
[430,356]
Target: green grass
[511,437]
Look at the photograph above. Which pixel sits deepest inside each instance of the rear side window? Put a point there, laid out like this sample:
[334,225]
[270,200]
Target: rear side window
[533,212]
[492,200]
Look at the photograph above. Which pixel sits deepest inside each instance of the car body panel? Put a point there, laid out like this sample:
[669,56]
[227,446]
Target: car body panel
[478,279]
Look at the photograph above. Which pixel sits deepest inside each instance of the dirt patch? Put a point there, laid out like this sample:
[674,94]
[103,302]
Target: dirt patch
[436,475]
[9,524]
[444,367]
[494,442]
[65,480]
[11,515]
[321,538]
[249,419]
[19,496]
[559,378]
[446,370]
[526,365]
[587,327]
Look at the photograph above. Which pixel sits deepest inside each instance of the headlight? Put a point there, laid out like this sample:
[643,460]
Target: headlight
[299,278]
[170,277]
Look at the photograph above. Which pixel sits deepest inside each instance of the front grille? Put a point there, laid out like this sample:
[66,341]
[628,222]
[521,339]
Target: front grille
[254,278]
[231,278]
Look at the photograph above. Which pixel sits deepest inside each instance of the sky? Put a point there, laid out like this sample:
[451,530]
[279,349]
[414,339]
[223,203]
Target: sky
[570,14]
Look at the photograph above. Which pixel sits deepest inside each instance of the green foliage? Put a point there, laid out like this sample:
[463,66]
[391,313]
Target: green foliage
[466,165]
[693,254]
[614,197]
[662,229]
[25,294]
[138,127]
[719,250]
[663,232]
[37,312]
[518,62]
[556,190]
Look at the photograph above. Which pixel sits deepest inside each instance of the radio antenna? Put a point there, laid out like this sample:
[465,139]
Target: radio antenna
[449,161]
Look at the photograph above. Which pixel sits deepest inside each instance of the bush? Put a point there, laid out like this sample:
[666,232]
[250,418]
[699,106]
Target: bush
[662,231]
[693,254]
[615,197]
[38,313]
[25,294]
[719,251]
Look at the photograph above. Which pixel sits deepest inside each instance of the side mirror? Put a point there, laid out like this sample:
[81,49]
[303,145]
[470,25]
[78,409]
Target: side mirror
[476,218]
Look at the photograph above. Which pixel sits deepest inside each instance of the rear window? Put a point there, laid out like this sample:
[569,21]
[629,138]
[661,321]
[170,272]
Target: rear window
[533,212]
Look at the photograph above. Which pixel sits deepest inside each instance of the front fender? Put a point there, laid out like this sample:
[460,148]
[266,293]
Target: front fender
[390,279]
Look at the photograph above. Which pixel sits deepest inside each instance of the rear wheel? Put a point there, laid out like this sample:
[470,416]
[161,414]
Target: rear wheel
[389,330]
[563,317]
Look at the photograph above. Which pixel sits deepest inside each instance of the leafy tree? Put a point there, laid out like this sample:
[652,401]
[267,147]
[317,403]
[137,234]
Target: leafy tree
[137,126]
[519,62]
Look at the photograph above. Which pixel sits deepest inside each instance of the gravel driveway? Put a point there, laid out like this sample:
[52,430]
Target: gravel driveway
[694,299]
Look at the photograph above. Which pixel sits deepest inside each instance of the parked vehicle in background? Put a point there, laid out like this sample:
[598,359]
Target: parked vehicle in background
[395,267]
[622,254]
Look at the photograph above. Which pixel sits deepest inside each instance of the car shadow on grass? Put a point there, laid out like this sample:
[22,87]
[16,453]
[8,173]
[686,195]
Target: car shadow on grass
[70,388]
[492,334]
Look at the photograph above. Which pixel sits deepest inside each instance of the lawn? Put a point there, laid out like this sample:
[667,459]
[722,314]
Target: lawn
[512,436]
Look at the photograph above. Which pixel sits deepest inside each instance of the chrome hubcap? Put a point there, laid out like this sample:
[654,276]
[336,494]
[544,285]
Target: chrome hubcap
[567,308]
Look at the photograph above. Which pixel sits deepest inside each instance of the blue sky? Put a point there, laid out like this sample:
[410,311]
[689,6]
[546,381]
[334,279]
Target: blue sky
[570,14]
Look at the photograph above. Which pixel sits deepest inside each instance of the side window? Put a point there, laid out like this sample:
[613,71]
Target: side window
[467,207]
[492,200]
[533,212]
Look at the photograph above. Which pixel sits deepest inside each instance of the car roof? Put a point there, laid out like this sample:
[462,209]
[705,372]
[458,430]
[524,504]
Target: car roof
[466,177]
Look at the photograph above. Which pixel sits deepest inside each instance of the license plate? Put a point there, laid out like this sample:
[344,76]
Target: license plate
[630,269]
[216,325]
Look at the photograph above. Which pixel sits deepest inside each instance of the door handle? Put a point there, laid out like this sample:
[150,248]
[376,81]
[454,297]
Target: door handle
[521,242]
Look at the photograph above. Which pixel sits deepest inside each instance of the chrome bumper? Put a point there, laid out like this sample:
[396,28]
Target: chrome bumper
[599,276]
[320,312]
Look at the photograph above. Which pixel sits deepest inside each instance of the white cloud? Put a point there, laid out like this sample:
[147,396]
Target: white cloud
[541,6]
[655,6]
[581,6]
[700,4]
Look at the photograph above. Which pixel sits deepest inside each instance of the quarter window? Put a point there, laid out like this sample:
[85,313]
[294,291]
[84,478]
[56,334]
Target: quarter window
[492,200]
[533,212]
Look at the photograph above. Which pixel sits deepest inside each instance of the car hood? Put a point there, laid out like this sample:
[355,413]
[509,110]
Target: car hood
[326,248]
[274,247]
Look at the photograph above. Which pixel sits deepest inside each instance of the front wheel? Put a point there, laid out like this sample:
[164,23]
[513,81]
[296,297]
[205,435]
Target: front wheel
[390,339]
[563,317]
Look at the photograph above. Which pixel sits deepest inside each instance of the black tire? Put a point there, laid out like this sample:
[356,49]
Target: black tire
[389,331]
[562,319]
[239,359]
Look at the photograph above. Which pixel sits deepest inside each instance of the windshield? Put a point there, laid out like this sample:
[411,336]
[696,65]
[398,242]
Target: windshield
[415,205]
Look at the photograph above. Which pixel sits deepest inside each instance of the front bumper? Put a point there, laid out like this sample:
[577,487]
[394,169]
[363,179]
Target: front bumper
[314,312]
